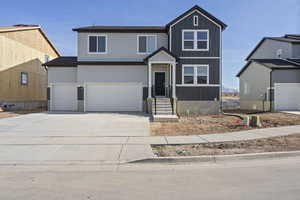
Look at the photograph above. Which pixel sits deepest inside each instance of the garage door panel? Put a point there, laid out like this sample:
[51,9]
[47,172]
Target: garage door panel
[287,96]
[64,98]
[114,97]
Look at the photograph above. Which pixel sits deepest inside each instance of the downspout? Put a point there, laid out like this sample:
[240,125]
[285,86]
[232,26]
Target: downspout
[270,93]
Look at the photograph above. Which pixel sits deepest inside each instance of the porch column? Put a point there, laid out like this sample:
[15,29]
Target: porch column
[174,80]
[149,80]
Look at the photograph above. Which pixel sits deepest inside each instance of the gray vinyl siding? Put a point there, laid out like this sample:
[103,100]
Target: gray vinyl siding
[112,73]
[62,75]
[205,24]
[198,93]
[256,78]
[268,49]
[214,69]
[296,50]
[120,47]
[286,76]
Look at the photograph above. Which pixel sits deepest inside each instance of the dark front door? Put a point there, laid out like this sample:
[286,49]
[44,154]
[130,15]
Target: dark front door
[160,80]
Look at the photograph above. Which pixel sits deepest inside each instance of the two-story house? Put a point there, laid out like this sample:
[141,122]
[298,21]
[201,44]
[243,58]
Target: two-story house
[271,78]
[168,69]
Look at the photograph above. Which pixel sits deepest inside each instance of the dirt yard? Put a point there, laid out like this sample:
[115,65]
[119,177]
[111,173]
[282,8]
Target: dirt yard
[207,124]
[275,144]
[17,113]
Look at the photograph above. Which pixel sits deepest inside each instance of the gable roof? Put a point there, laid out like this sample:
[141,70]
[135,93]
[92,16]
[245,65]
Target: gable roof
[124,29]
[203,12]
[281,39]
[22,27]
[159,50]
[272,64]
[149,29]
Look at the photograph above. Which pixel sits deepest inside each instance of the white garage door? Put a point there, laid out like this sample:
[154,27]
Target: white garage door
[64,97]
[287,96]
[114,97]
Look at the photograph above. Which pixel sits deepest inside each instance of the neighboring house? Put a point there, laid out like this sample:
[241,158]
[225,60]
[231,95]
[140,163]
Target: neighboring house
[23,79]
[168,69]
[271,78]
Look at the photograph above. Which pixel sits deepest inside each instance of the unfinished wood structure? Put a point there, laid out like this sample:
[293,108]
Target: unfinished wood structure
[23,49]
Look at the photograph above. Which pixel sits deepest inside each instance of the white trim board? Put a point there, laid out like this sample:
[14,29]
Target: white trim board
[197,85]
[200,57]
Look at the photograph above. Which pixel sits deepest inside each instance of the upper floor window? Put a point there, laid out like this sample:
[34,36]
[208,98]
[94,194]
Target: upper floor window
[196,20]
[146,43]
[195,40]
[195,74]
[97,43]
[24,78]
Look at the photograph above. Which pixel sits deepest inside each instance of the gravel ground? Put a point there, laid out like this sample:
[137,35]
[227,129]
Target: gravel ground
[207,124]
[274,144]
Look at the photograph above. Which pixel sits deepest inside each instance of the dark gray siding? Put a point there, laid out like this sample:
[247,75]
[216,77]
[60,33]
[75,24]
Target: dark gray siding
[286,76]
[197,93]
[204,23]
[214,69]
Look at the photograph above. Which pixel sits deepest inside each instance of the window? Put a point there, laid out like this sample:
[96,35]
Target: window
[46,58]
[97,44]
[195,40]
[195,74]
[196,20]
[24,78]
[146,43]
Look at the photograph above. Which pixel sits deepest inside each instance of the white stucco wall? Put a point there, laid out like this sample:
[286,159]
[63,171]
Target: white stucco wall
[112,73]
[62,75]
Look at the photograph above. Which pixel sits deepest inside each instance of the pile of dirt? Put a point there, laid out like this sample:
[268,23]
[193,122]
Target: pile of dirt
[275,144]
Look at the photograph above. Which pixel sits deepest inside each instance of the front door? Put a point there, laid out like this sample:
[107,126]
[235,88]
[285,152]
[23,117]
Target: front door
[160,80]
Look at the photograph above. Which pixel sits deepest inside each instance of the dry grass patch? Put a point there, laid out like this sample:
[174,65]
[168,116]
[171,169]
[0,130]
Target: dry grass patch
[275,144]
[207,124]
[7,114]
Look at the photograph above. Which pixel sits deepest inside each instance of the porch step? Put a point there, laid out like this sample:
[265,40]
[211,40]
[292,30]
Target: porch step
[165,118]
[162,106]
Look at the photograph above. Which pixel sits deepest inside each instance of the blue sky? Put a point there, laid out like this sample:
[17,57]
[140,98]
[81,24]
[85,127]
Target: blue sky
[248,21]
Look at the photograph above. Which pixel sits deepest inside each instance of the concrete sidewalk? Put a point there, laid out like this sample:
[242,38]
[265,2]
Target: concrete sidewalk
[147,140]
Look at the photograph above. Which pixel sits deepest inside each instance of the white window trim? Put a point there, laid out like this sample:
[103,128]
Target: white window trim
[195,39]
[137,47]
[88,44]
[195,75]
[196,19]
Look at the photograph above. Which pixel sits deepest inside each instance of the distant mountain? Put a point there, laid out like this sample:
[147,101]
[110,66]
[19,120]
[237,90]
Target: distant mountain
[229,90]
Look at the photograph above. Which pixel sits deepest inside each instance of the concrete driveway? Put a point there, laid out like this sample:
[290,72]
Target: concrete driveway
[76,124]
[72,138]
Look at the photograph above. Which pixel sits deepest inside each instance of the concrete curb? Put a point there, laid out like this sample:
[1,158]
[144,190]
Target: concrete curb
[219,158]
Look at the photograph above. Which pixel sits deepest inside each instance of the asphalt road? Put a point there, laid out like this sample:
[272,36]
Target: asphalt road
[262,179]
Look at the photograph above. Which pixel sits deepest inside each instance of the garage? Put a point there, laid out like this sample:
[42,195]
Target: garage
[113,97]
[64,97]
[287,96]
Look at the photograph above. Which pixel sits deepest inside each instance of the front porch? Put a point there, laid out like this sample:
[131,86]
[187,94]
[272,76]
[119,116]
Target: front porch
[161,100]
